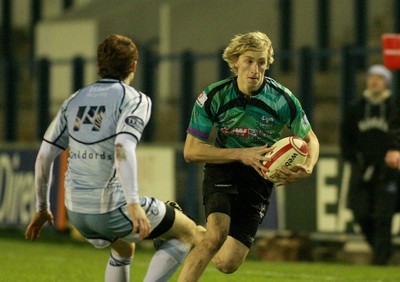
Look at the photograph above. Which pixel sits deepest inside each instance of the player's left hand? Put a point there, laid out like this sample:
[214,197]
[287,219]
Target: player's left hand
[35,226]
[141,223]
[287,176]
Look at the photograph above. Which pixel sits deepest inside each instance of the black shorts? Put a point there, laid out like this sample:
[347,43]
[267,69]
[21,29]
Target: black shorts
[240,192]
[165,224]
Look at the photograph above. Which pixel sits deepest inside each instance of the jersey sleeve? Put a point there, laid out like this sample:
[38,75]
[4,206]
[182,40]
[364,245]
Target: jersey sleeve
[134,116]
[300,124]
[57,132]
[200,124]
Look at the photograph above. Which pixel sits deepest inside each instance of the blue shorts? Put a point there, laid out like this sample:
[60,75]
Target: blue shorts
[102,229]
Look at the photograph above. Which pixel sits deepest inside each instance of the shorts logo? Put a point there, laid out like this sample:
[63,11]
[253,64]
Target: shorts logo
[263,210]
[223,185]
[154,210]
[135,122]
[251,239]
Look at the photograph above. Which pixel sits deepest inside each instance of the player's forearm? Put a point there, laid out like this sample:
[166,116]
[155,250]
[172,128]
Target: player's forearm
[208,154]
[196,151]
[43,172]
[313,151]
[42,184]
[126,164]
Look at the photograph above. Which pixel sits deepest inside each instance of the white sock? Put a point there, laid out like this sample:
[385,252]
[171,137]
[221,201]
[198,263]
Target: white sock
[118,269]
[166,261]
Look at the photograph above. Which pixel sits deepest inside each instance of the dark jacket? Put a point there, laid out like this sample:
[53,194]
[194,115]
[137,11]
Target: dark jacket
[369,130]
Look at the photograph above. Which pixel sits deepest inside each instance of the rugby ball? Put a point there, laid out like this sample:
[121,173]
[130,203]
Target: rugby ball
[287,152]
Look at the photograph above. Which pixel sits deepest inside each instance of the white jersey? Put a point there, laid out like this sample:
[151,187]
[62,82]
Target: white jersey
[88,123]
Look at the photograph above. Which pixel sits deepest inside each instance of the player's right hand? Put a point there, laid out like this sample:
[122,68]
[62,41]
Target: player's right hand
[35,226]
[255,156]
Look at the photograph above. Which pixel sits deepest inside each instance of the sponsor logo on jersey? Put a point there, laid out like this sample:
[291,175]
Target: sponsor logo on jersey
[85,155]
[247,132]
[92,115]
[135,122]
[267,120]
[201,99]
[236,131]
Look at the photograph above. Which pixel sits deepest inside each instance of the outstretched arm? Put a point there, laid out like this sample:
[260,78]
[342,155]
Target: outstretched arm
[43,168]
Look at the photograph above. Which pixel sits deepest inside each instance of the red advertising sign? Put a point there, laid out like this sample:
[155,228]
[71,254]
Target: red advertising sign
[391,50]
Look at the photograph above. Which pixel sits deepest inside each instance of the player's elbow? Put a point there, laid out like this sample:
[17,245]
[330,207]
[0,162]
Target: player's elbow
[119,152]
[189,156]
[188,153]
[192,150]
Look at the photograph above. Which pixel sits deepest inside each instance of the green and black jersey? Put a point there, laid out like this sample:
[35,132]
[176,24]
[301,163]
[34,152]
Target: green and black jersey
[242,121]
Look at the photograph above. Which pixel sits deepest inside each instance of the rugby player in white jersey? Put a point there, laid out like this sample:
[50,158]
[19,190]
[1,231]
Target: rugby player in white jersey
[101,125]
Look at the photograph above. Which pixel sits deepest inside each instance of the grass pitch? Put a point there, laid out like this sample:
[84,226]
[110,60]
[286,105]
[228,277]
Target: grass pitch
[58,259]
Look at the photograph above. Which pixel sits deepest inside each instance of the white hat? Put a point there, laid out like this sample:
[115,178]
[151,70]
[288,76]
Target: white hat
[381,71]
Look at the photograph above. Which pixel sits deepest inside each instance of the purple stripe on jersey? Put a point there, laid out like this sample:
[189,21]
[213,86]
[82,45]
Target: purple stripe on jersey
[197,133]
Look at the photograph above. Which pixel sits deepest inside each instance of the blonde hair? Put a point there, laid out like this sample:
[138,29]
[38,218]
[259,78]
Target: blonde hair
[252,41]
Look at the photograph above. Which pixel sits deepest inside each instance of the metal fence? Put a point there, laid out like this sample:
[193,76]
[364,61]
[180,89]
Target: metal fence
[340,68]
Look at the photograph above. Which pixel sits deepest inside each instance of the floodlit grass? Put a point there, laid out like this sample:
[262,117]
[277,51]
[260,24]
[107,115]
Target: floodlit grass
[60,259]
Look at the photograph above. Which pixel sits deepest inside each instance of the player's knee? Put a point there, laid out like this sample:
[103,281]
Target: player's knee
[218,235]
[227,269]
[214,240]
[122,249]
[226,266]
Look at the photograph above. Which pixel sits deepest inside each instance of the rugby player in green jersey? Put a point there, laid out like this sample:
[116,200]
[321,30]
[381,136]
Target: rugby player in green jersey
[249,112]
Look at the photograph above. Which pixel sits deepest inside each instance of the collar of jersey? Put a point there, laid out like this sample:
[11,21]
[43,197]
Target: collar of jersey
[109,80]
[240,93]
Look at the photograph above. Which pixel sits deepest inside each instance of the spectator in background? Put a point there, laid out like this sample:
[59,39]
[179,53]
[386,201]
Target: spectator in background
[101,125]
[368,133]
[249,111]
